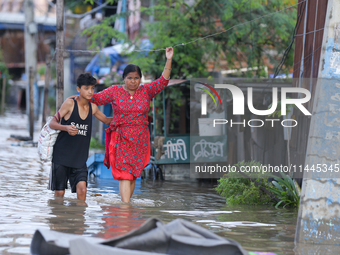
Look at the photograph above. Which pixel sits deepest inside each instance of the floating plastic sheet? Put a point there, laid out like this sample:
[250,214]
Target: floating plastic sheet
[177,237]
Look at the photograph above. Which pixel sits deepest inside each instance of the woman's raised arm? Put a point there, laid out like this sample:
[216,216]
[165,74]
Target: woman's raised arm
[158,85]
[167,68]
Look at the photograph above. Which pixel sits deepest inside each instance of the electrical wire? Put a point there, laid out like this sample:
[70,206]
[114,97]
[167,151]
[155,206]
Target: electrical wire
[207,36]
[286,52]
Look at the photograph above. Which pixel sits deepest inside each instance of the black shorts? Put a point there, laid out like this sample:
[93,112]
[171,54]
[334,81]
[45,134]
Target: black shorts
[59,176]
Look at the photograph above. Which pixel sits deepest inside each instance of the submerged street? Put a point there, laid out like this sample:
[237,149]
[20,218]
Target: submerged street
[26,204]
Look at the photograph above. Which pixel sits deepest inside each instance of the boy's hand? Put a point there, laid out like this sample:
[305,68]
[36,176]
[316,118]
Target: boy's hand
[108,120]
[71,130]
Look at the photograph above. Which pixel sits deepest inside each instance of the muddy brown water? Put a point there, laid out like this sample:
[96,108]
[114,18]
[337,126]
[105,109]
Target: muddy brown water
[26,204]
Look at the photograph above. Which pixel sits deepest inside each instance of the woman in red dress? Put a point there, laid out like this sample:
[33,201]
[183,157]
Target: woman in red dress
[128,138]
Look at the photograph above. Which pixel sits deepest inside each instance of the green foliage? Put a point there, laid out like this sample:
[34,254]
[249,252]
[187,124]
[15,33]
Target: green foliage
[287,190]
[42,70]
[52,105]
[277,112]
[53,70]
[101,34]
[3,67]
[4,71]
[89,1]
[173,101]
[82,6]
[114,77]
[96,144]
[92,1]
[177,23]
[239,190]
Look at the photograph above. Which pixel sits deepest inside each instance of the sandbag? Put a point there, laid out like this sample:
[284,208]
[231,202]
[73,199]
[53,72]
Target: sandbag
[46,141]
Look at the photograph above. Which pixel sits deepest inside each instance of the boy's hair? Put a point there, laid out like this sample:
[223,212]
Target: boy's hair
[86,79]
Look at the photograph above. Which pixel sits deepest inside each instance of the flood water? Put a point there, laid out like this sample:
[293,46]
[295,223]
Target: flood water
[26,204]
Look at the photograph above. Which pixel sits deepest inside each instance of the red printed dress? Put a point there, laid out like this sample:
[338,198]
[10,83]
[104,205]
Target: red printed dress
[128,138]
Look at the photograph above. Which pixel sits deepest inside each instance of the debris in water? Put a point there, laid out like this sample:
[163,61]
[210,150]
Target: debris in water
[96,195]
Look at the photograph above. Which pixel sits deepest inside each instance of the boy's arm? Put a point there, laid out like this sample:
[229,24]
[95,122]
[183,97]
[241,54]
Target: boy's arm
[99,115]
[64,109]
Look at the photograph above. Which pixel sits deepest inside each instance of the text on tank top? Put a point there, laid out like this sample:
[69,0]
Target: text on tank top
[72,151]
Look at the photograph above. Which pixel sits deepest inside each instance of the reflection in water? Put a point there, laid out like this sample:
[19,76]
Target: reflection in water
[260,227]
[26,204]
[310,249]
[119,220]
[67,216]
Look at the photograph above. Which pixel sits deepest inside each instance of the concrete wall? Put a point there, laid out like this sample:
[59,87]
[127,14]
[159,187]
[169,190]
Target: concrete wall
[319,211]
[176,171]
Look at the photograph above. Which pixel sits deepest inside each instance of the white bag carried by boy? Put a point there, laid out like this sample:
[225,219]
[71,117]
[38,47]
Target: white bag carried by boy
[46,141]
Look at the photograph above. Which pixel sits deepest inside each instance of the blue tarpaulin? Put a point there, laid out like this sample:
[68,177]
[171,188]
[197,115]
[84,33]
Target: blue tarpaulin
[99,64]
[146,45]
[100,60]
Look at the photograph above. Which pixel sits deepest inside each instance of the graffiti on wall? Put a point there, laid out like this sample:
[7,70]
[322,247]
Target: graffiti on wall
[175,150]
[204,149]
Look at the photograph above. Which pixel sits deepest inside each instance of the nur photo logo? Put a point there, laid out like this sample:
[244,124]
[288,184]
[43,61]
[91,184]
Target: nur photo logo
[238,102]
[204,97]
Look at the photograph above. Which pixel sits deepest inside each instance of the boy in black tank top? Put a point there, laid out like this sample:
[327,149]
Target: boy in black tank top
[71,149]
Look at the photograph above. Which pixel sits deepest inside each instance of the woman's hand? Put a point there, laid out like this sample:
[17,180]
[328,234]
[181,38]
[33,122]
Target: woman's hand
[169,52]
[75,97]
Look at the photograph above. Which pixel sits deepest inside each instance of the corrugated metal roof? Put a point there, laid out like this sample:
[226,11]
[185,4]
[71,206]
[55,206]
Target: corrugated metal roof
[12,13]
[19,18]
[41,7]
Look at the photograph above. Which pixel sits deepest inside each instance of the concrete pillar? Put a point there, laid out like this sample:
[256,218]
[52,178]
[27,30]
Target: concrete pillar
[319,211]
[31,31]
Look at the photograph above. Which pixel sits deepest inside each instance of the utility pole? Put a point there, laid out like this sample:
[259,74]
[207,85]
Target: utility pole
[3,93]
[47,83]
[151,17]
[318,218]
[31,31]
[60,54]
[31,112]
[120,23]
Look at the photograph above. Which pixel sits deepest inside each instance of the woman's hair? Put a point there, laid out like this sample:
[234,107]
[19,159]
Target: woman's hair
[130,69]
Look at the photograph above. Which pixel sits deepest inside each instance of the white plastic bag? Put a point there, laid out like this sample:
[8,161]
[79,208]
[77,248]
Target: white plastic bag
[46,141]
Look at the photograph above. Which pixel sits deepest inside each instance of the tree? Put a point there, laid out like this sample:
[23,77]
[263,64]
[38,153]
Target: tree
[4,71]
[244,34]
[257,35]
